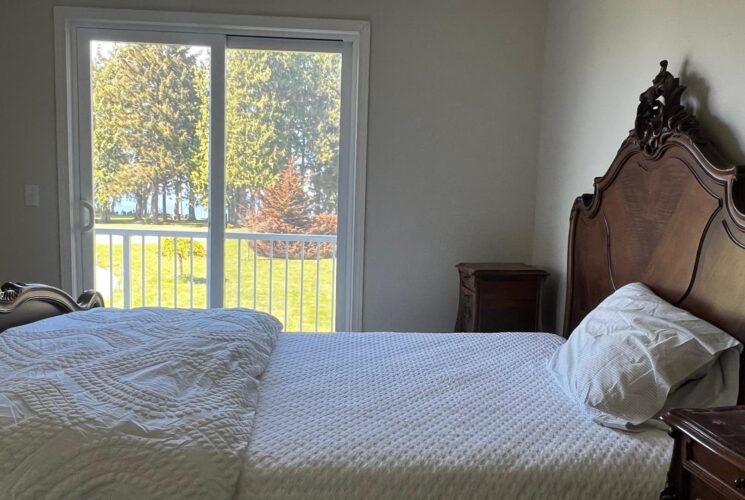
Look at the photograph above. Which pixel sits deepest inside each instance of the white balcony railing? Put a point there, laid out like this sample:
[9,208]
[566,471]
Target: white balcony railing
[289,275]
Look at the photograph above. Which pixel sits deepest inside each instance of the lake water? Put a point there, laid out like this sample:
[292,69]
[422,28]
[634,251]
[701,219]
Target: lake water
[127,205]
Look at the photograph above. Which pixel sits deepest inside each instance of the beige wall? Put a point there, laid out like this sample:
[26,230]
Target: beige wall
[600,55]
[453,139]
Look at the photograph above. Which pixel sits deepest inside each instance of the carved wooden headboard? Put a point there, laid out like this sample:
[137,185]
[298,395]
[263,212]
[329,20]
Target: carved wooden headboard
[668,213]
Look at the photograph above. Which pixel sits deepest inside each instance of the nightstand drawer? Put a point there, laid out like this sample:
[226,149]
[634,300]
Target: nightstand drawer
[511,288]
[729,475]
[699,490]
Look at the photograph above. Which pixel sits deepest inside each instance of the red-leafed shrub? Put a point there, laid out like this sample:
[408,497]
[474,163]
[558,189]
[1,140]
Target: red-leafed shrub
[285,208]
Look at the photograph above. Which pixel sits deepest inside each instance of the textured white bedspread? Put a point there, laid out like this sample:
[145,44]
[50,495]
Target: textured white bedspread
[142,404]
[391,415]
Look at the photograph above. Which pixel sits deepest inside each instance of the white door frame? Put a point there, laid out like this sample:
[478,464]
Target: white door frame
[69,20]
[83,186]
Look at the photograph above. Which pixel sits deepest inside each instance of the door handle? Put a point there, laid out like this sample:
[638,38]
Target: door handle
[91,215]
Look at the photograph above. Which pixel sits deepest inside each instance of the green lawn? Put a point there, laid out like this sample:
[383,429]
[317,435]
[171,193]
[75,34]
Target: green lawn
[128,222]
[192,292]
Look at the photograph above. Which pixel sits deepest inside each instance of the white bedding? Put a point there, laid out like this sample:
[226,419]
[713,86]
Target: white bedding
[101,405]
[130,404]
[391,415]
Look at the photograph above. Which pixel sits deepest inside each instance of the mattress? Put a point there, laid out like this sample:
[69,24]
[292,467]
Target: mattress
[392,415]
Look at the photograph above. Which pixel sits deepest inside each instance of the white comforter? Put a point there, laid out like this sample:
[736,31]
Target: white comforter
[163,404]
[424,416]
[130,404]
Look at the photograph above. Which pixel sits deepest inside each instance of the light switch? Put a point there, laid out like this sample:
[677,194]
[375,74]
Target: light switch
[32,195]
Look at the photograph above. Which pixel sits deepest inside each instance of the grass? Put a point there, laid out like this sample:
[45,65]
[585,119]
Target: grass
[128,222]
[289,279]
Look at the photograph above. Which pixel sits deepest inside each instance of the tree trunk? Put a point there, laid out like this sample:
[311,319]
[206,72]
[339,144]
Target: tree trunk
[154,203]
[177,201]
[231,205]
[192,206]
[237,201]
[250,204]
[165,209]
[138,208]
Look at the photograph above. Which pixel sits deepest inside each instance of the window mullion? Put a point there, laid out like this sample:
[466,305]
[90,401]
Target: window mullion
[216,203]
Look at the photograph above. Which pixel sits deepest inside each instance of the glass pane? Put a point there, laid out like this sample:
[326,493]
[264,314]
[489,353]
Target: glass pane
[150,143]
[282,165]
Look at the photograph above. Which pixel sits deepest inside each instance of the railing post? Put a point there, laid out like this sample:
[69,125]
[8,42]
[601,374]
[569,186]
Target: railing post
[287,267]
[160,281]
[255,248]
[126,270]
[191,272]
[111,270]
[318,279]
[175,272]
[142,276]
[271,273]
[302,281]
[333,287]
[238,280]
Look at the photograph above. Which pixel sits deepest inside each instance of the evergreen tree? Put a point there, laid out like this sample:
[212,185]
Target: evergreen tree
[253,155]
[309,84]
[286,208]
[147,107]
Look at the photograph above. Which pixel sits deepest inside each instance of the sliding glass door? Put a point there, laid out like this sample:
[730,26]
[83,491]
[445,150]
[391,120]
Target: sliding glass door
[282,128]
[209,171]
[150,109]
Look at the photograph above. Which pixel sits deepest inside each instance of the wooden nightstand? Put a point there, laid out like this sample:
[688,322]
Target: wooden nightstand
[709,455]
[499,297]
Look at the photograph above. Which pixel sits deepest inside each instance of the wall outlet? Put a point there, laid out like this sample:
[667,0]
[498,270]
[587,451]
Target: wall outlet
[31,195]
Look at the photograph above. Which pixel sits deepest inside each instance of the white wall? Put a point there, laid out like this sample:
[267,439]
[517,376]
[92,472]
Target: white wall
[453,136]
[600,55]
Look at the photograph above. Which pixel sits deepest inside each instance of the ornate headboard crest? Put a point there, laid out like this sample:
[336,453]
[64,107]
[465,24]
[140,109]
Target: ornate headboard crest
[660,113]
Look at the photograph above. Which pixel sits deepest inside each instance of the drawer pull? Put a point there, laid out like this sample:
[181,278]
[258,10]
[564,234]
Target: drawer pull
[740,483]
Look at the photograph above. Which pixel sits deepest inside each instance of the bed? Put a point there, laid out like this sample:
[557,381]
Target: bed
[373,415]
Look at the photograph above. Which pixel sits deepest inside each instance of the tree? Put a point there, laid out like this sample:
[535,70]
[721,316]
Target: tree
[183,249]
[197,178]
[286,208]
[108,151]
[253,107]
[151,127]
[285,205]
[147,104]
[310,83]
[281,105]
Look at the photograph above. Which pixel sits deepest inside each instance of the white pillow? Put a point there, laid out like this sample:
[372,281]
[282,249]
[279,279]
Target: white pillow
[636,355]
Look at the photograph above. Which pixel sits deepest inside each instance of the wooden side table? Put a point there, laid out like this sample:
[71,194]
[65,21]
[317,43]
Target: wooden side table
[709,455]
[500,297]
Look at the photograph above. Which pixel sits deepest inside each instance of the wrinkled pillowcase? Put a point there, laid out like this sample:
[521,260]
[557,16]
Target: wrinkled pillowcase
[635,356]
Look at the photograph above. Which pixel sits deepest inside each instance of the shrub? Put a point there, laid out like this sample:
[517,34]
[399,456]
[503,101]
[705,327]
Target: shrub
[183,249]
